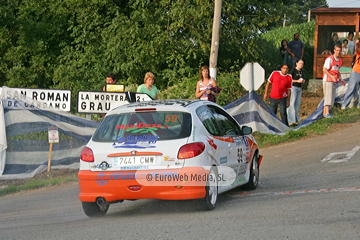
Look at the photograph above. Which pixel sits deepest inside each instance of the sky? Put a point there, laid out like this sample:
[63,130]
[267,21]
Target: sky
[344,3]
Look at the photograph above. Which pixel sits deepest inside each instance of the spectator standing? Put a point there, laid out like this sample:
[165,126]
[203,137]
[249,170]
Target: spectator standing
[334,41]
[331,77]
[205,84]
[354,81]
[297,75]
[296,48]
[284,50]
[351,42]
[148,87]
[280,93]
[110,79]
[345,50]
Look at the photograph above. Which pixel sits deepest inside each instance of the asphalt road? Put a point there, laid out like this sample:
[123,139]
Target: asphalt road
[308,190]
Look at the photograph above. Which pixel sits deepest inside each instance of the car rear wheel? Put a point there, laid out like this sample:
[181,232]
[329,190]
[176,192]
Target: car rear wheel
[211,189]
[92,209]
[254,175]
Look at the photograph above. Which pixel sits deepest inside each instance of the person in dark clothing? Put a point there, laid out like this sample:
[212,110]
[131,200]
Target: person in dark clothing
[296,48]
[334,41]
[285,53]
[296,92]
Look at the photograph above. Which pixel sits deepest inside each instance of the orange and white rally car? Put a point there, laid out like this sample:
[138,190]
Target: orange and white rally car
[166,149]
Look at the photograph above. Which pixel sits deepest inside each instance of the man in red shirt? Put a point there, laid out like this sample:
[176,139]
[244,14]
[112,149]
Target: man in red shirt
[280,91]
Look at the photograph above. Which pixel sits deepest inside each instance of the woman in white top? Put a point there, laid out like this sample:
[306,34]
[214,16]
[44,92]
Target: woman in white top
[204,85]
[345,50]
[351,42]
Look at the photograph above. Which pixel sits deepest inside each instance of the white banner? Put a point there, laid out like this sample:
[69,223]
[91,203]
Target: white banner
[3,142]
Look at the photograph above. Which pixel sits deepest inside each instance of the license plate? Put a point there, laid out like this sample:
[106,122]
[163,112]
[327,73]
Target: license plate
[134,161]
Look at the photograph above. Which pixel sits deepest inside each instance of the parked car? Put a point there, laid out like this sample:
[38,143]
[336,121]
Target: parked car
[166,149]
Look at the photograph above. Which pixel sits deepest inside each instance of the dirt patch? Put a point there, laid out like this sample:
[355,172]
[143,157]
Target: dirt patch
[309,103]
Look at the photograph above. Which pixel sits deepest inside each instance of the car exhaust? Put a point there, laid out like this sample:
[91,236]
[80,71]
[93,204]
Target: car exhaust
[101,201]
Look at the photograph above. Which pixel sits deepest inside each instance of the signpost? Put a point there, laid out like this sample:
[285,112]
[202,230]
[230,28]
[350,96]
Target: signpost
[53,135]
[252,76]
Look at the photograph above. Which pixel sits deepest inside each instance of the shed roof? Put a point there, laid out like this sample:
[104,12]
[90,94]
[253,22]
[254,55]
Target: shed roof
[323,10]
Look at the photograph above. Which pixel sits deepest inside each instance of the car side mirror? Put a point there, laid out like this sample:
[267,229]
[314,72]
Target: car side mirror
[246,130]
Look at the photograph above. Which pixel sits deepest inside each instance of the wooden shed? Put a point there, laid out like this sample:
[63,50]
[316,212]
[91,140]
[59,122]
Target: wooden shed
[329,21]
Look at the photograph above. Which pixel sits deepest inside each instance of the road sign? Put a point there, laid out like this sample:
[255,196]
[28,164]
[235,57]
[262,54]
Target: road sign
[53,134]
[252,76]
[37,99]
[102,102]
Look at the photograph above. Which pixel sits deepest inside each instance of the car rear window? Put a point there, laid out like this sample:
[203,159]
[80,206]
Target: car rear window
[146,126]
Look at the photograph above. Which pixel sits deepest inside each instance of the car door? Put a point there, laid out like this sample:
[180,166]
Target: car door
[219,149]
[231,134]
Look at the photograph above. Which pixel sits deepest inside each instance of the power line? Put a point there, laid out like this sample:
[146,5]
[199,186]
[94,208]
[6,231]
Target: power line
[347,3]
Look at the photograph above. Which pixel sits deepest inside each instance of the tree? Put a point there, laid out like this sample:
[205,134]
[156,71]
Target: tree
[297,11]
[72,44]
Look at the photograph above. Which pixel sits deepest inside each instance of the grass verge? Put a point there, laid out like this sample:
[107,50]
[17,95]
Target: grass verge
[320,127]
[37,183]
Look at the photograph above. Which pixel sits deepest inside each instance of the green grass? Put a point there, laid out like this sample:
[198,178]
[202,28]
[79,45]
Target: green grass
[37,136]
[320,127]
[37,183]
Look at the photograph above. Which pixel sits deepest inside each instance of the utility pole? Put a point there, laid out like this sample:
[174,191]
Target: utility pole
[284,20]
[215,38]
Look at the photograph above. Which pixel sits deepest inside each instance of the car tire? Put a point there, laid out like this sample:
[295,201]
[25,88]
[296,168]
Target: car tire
[254,175]
[211,189]
[92,209]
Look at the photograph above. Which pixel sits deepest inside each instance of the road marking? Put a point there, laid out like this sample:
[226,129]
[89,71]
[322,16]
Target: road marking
[349,189]
[348,155]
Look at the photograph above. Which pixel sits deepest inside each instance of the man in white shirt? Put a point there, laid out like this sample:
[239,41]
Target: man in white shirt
[331,77]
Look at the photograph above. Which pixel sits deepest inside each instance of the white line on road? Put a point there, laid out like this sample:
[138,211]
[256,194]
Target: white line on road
[349,154]
[349,189]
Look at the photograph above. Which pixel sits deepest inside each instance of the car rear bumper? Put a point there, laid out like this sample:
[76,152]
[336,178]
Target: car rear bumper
[114,186]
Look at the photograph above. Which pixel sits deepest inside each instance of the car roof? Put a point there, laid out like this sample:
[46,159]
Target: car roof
[159,104]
